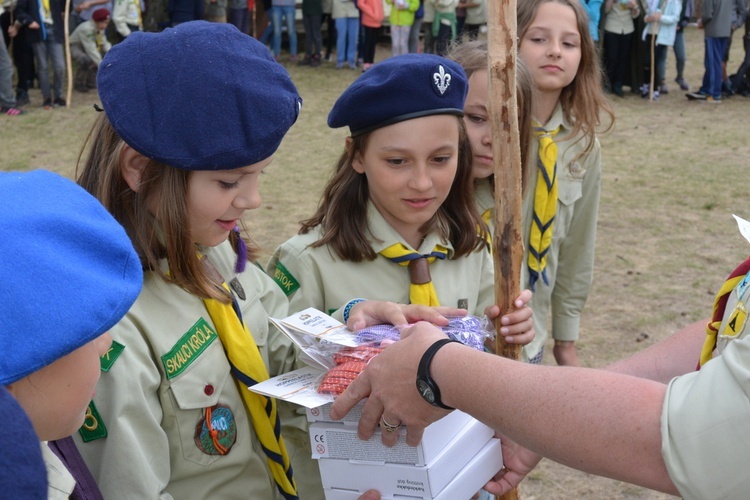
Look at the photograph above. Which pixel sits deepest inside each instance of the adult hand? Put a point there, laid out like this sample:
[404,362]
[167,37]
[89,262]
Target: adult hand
[517,463]
[376,312]
[389,384]
[12,30]
[517,326]
[34,25]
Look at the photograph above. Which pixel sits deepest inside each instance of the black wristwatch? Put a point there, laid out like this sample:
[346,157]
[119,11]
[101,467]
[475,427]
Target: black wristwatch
[425,385]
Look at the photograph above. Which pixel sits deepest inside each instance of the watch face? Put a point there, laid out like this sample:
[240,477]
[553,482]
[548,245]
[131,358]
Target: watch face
[426,391]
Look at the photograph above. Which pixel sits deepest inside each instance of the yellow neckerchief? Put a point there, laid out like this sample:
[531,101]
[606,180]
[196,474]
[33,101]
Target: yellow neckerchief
[545,205]
[419,293]
[249,369]
[720,303]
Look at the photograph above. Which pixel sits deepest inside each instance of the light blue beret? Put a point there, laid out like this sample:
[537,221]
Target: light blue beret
[69,271]
[401,88]
[199,96]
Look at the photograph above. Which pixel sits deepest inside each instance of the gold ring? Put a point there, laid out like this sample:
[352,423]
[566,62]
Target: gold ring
[386,426]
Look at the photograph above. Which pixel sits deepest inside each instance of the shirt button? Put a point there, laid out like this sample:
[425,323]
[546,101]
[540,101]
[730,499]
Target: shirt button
[209,389]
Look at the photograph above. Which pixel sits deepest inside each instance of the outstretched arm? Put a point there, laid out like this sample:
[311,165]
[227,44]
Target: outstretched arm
[596,421]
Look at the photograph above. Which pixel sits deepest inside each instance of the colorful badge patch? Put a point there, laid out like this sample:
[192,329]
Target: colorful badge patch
[188,348]
[284,279]
[742,287]
[736,323]
[111,356]
[216,432]
[93,426]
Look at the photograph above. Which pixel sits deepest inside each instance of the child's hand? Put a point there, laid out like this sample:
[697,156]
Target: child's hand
[376,312]
[517,326]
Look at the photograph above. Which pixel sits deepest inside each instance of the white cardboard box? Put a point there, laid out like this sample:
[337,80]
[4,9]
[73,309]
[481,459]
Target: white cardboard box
[399,479]
[323,414]
[340,441]
[467,482]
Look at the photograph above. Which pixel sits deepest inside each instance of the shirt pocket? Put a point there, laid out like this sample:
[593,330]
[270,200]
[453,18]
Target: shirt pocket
[206,383]
[569,191]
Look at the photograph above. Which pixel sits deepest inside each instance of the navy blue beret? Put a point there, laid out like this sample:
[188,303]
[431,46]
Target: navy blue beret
[22,470]
[199,96]
[69,271]
[401,88]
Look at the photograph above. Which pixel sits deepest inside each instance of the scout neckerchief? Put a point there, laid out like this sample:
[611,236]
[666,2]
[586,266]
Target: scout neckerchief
[720,303]
[421,290]
[545,205]
[45,15]
[248,369]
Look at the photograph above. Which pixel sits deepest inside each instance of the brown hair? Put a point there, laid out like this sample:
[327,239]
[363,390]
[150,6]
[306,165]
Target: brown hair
[342,212]
[472,55]
[160,233]
[583,99]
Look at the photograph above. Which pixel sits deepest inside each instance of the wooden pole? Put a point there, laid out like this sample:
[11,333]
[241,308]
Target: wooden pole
[507,242]
[68,62]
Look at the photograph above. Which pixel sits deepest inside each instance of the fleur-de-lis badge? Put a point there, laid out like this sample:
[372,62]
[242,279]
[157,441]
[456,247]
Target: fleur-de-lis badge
[442,79]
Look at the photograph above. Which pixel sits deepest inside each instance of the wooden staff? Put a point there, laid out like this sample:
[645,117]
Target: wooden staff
[507,241]
[68,62]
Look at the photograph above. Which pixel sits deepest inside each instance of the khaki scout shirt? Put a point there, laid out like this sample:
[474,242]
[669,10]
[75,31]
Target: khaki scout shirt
[316,277]
[570,260]
[84,38]
[151,399]
[705,420]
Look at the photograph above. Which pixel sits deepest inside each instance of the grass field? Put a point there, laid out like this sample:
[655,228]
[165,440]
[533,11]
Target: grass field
[673,173]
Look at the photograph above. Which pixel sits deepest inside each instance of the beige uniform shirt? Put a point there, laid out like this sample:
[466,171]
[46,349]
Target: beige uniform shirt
[706,414]
[60,482]
[84,38]
[570,260]
[316,277]
[153,397]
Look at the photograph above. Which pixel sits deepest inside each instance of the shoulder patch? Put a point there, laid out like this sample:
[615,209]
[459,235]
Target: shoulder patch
[93,427]
[188,348]
[111,355]
[285,279]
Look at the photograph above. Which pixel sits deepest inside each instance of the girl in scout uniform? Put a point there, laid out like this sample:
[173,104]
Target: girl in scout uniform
[392,224]
[61,299]
[472,56]
[560,213]
[172,416]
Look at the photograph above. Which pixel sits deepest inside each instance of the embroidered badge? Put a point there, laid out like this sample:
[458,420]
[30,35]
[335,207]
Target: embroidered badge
[216,432]
[93,427]
[284,279]
[237,287]
[441,80]
[736,323]
[742,287]
[463,303]
[111,356]
[188,348]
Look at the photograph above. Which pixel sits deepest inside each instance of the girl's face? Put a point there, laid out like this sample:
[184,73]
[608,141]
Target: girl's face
[410,167]
[217,200]
[478,129]
[551,47]
[56,397]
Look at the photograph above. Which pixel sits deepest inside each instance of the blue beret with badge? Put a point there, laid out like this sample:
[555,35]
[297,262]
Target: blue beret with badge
[401,88]
[69,271]
[199,96]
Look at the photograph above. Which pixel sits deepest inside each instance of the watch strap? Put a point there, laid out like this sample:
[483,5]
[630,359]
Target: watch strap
[423,370]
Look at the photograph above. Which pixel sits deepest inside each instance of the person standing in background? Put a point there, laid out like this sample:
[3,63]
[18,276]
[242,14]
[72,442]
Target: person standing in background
[618,37]
[43,21]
